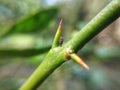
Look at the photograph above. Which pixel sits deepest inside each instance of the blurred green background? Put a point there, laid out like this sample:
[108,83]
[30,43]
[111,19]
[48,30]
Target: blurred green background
[27,29]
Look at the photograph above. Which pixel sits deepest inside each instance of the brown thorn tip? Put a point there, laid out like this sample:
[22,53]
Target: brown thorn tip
[79,61]
[85,66]
[60,24]
[61,21]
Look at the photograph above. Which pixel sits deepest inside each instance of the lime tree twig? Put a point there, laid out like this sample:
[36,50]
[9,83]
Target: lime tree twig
[59,54]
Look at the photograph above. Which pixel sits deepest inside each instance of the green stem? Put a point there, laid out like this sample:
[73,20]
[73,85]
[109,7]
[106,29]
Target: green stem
[97,24]
[57,55]
[49,64]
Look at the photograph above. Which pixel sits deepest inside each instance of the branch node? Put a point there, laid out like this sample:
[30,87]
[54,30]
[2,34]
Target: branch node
[76,58]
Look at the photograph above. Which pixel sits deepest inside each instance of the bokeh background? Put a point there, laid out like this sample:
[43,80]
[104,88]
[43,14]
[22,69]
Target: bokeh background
[27,29]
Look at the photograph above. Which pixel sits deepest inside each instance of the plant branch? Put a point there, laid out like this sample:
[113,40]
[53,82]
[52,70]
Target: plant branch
[57,56]
[97,24]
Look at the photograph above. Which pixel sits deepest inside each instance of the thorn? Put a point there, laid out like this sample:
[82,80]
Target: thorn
[60,26]
[79,60]
[57,36]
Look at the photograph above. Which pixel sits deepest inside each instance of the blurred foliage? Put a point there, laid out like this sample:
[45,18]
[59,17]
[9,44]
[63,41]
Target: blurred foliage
[29,27]
[24,53]
[34,23]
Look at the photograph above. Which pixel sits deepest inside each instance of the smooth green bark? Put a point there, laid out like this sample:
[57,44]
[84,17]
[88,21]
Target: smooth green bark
[97,24]
[53,60]
[57,56]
